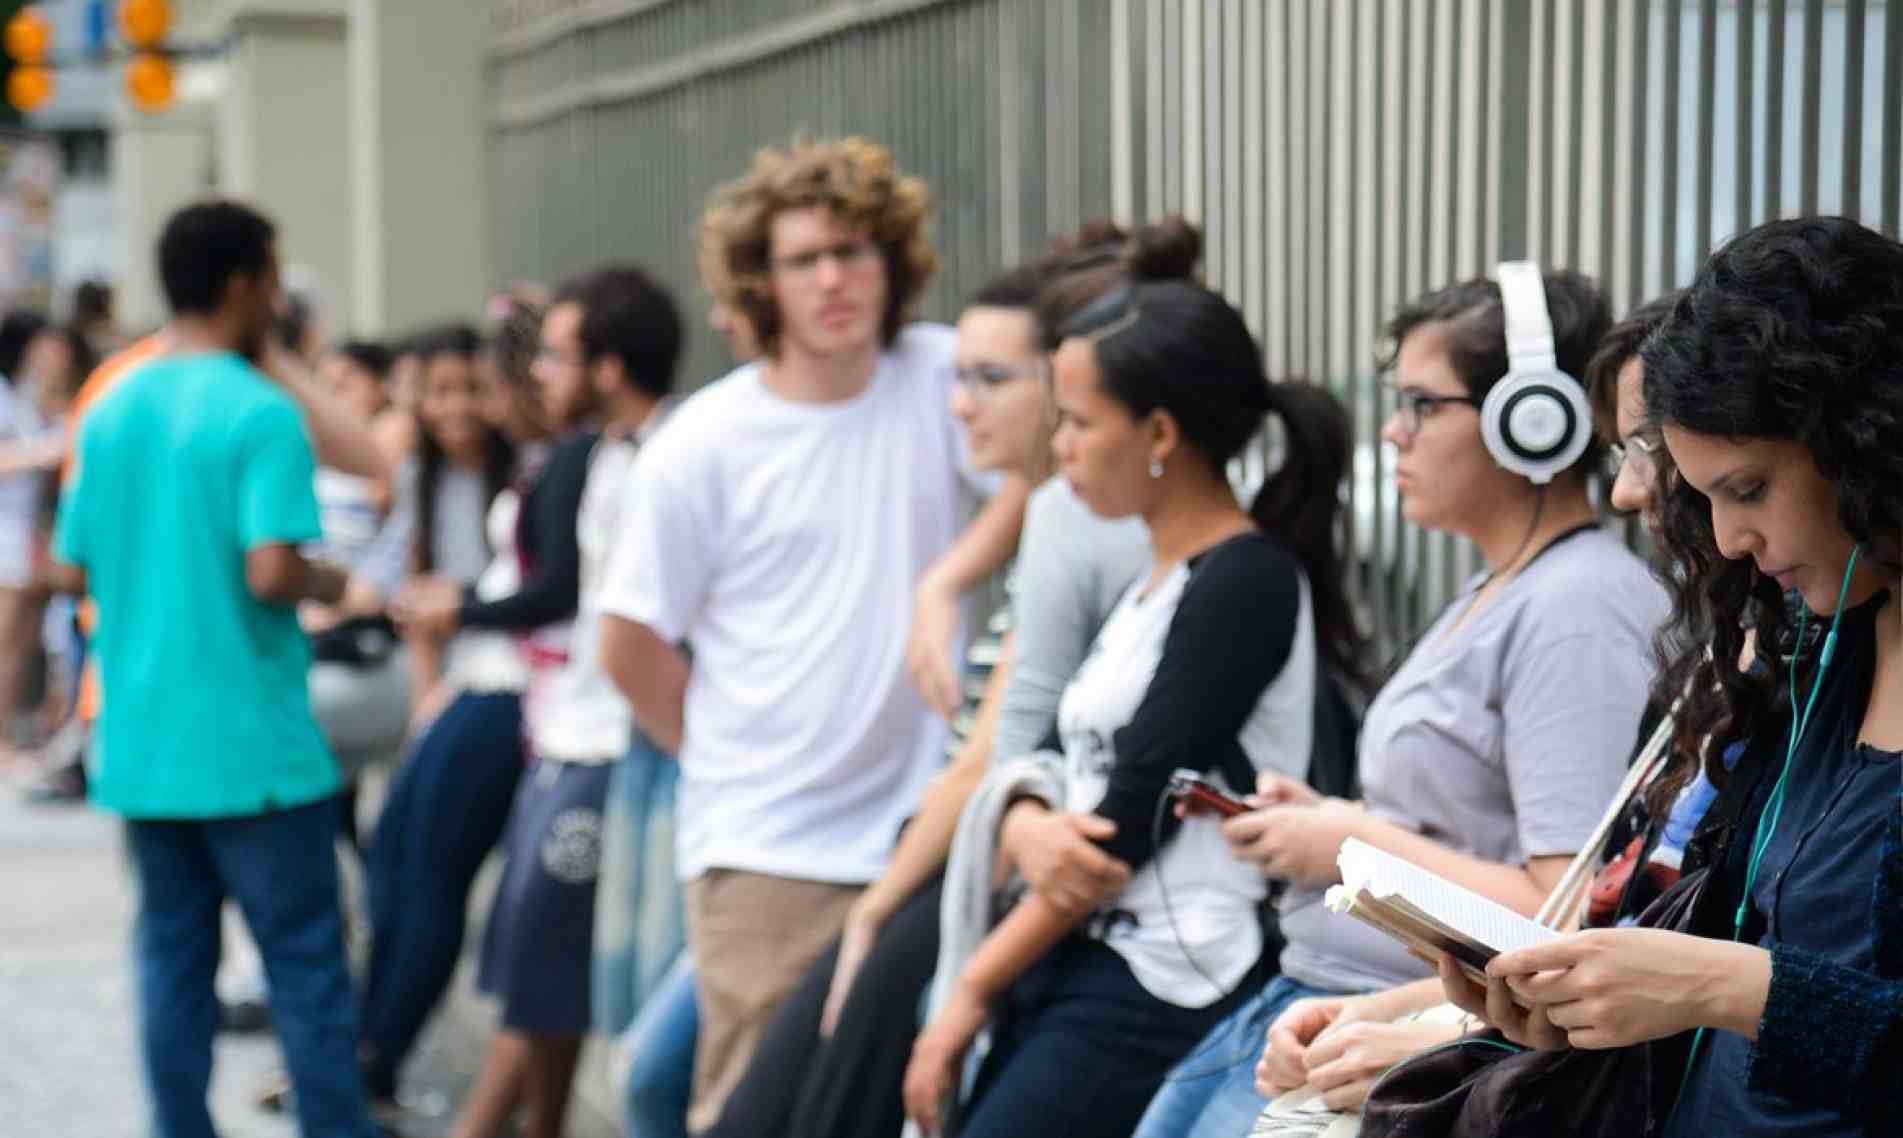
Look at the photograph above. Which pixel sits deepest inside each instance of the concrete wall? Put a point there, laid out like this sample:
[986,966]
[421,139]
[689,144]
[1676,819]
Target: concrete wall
[284,134]
[420,188]
[159,163]
[357,124]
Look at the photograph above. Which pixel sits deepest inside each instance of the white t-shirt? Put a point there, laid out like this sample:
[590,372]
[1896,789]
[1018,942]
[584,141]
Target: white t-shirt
[1188,920]
[781,542]
[584,718]
[481,660]
[348,514]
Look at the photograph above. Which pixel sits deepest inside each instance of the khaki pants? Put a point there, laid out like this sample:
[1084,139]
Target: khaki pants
[753,939]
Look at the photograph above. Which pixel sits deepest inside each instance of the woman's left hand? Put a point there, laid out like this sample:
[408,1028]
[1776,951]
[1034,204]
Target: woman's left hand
[932,1076]
[1617,987]
[1346,1060]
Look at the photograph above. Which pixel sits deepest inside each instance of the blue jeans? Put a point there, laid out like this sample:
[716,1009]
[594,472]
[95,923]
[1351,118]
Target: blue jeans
[639,925]
[660,1077]
[1212,1093]
[447,806]
[281,868]
[1078,1049]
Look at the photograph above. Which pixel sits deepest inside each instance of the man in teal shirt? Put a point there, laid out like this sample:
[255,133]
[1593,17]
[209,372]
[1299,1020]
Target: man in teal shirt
[190,499]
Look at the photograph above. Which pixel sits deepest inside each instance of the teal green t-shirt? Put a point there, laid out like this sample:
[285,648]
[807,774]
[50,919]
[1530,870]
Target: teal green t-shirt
[189,463]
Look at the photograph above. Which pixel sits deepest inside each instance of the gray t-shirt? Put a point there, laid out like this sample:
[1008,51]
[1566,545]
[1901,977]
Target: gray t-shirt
[1504,741]
[1072,569]
[459,547]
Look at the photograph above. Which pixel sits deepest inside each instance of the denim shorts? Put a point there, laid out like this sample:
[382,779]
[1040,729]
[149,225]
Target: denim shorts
[540,936]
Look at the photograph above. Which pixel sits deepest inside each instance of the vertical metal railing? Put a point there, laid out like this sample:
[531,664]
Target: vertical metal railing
[1342,155]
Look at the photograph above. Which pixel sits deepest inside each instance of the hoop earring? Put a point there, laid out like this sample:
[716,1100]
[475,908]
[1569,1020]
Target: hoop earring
[1156,468]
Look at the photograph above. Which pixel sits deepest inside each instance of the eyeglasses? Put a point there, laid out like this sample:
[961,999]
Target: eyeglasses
[847,255]
[1640,451]
[1415,406]
[981,381]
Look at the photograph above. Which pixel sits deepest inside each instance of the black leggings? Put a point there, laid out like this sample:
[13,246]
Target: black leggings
[851,1086]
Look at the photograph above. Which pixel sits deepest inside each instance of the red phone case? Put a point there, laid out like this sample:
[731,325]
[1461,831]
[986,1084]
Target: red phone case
[1207,799]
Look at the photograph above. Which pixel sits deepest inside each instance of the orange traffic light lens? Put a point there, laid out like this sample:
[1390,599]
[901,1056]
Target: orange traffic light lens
[30,88]
[144,23]
[29,36]
[149,82]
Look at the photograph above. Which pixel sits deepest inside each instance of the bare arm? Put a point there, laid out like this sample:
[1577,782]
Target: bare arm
[28,456]
[1014,946]
[1393,1003]
[984,548]
[1019,942]
[926,843]
[1298,841]
[278,574]
[987,543]
[652,674]
[342,443]
[67,579]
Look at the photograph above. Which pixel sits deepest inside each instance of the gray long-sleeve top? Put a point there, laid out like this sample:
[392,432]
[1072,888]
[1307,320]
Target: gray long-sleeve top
[1073,567]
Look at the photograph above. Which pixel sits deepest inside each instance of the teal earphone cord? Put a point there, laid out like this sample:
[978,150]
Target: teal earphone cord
[1774,805]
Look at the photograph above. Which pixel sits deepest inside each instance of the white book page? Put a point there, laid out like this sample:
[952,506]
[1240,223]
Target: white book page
[1385,877]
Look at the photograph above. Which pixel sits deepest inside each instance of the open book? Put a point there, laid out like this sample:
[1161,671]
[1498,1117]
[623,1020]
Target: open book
[1432,916]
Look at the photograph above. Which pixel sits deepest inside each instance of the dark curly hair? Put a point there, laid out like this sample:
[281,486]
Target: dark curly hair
[1617,348]
[1793,330]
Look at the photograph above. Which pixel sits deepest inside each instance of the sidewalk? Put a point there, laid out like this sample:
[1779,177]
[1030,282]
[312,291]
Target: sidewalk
[67,1009]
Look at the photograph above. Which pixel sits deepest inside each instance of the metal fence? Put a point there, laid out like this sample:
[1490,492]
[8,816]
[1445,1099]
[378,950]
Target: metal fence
[1342,155]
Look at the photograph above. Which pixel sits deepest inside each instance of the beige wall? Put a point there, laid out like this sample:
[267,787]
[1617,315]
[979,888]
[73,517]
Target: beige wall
[420,188]
[284,135]
[159,163]
[356,124]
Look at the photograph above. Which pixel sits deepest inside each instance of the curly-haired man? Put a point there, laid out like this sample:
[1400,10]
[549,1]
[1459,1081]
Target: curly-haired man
[779,525]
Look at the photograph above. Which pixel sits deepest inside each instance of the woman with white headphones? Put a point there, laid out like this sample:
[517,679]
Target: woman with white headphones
[1777,387]
[1491,751]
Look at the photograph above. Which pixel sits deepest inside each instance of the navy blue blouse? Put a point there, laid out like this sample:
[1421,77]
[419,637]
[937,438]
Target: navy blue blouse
[1828,904]
[1813,895]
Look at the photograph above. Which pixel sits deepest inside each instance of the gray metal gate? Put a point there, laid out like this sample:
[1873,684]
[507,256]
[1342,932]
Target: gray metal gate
[1341,154]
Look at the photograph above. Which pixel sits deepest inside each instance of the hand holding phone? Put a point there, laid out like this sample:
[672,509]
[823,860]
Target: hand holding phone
[1197,795]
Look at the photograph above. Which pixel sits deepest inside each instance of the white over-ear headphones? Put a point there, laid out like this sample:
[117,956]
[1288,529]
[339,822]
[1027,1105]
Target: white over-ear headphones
[1536,421]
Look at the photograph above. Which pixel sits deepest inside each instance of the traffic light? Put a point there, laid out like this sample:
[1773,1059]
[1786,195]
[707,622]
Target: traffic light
[29,39]
[29,36]
[30,88]
[144,23]
[149,83]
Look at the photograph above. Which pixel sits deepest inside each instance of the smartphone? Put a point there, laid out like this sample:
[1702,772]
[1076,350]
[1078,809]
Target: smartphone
[1199,795]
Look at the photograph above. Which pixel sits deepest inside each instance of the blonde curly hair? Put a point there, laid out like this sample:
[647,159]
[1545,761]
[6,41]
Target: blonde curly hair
[859,181]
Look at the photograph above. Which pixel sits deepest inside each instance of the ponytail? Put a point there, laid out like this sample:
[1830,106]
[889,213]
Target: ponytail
[1300,505]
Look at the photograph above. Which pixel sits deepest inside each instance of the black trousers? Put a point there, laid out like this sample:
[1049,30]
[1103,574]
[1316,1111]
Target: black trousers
[852,1085]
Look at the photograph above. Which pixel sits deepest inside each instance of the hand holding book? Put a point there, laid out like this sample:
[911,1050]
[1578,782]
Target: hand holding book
[1432,916]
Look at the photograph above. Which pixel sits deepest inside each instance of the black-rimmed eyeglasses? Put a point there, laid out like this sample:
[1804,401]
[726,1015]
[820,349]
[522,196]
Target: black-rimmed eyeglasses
[1415,406]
